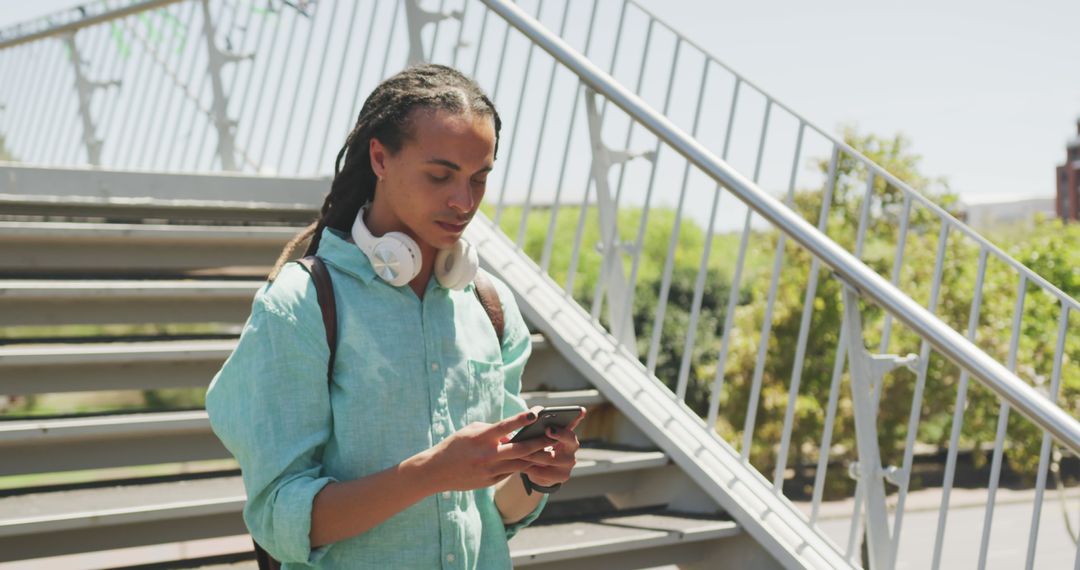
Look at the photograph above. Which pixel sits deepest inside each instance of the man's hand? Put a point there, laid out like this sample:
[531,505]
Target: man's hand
[480,455]
[552,464]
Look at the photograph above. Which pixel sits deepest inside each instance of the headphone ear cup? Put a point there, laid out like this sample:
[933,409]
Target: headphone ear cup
[396,258]
[456,267]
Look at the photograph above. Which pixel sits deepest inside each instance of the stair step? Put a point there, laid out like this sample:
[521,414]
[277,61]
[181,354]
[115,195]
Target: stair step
[88,518]
[115,440]
[99,366]
[71,302]
[615,534]
[28,248]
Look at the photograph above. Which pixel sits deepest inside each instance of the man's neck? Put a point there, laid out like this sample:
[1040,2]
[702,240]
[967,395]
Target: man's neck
[380,220]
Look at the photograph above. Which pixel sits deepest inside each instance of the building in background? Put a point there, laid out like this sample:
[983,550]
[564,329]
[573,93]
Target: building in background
[1068,180]
[988,217]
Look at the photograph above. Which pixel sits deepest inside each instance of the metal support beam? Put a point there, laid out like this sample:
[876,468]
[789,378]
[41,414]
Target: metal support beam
[612,249]
[867,373]
[215,61]
[85,88]
[417,18]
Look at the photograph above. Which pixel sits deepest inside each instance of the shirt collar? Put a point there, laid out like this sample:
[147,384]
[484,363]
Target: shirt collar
[335,250]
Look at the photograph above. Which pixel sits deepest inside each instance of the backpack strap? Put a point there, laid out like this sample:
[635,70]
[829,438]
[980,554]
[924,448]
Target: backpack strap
[324,291]
[489,298]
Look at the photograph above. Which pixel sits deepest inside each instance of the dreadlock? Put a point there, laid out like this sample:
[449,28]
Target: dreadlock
[387,116]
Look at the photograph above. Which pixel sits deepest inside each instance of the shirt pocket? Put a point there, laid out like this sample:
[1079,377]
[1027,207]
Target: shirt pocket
[485,391]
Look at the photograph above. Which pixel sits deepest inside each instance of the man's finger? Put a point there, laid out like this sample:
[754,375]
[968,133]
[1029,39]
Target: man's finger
[522,448]
[562,435]
[577,421]
[507,425]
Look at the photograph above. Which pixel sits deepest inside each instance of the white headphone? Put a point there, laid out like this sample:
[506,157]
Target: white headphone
[396,258]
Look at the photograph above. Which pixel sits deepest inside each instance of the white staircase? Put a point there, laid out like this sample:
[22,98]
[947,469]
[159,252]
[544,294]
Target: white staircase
[134,273]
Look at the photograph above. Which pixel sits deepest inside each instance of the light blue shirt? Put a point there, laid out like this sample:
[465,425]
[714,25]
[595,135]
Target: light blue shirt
[408,374]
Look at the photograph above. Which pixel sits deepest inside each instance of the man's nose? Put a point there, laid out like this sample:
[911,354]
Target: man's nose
[462,198]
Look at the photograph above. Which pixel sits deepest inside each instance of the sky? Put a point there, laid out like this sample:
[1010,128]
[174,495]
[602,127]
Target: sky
[988,92]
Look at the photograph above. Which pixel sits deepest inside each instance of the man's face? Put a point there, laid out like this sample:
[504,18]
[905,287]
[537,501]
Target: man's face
[434,184]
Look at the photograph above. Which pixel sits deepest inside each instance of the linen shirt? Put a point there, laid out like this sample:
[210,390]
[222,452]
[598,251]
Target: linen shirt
[408,374]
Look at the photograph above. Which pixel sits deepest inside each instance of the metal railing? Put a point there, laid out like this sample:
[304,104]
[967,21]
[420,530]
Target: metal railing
[699,287]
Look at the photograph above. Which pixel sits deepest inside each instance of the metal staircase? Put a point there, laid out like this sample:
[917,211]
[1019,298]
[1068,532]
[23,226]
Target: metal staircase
[185,203]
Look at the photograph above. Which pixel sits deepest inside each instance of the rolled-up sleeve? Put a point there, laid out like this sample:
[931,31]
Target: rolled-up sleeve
[270,406]
[516,349]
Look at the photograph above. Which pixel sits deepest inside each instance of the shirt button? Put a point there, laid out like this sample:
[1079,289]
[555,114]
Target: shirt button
[446,494]
[434,366]
[450,557]
[439,428]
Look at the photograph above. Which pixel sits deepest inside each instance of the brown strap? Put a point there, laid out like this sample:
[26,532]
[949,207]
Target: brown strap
[324,291]
[489,298]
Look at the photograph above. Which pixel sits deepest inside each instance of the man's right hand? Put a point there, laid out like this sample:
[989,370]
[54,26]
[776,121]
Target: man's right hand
[475,456]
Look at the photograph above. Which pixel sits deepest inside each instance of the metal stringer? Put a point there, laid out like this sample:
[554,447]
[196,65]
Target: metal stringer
[612,249]
[867,373]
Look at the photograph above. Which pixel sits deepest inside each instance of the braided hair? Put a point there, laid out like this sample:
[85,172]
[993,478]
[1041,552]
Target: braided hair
[387,115]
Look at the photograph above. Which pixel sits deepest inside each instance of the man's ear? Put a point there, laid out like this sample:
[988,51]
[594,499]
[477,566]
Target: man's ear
[378,154]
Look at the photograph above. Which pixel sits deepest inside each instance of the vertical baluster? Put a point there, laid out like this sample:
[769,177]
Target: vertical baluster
[390,41]
[699,293]
[920,382]
[583,211]
[192,57]
[119,32]
[898,263]
[138,92]
[256,108]
[838,363]
[540,137]
[1003,424]
[277,92]
[954,436]
[353,109]
[132,160]
[545,258]
[804,329]
[435,36]
[22,58]
[598,293]
[766,325]
[517,123]
[480,43]
[729,316]
[47,114]
[1044,451]
[331,26]
[293,102]
[327,129]
[458,45]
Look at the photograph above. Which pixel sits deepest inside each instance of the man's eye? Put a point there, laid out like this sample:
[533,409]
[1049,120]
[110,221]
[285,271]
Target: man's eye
[480,181]
[439,178]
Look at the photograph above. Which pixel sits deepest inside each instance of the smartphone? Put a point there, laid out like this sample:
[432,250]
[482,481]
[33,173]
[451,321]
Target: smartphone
[560,416]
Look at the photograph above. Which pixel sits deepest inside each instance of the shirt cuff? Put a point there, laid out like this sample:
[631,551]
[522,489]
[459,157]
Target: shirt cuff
[292,520]
[512,529]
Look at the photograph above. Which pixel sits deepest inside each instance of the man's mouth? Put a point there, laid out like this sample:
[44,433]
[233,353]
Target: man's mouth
[453,228]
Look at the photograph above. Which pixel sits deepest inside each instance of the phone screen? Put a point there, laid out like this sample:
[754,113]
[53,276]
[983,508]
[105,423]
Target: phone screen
[560,416]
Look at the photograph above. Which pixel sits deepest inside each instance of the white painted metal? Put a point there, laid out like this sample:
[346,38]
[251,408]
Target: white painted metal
[957,424]
[1044,451]
[710,462]
[867,375]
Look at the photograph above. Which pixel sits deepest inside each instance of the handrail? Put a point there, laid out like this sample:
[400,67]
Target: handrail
[877,170]
[56,29]
[943,338]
